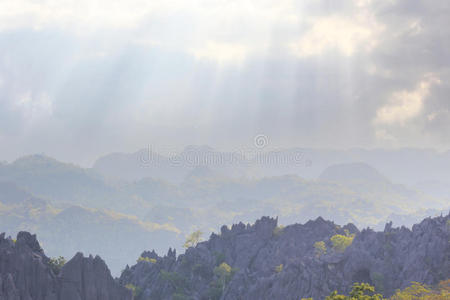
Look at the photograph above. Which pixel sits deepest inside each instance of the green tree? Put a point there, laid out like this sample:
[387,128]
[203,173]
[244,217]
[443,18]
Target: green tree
[422,291]
[134,290]
[320,248]
[360,291]
[56,264]
[147,259]
[278,230]
[224,273]
[341,242]
[193,239]
[223,270]
[279,268]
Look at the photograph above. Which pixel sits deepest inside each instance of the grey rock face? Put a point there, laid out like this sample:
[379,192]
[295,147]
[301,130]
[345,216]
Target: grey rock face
[269,262]
[25,274]
[89,278]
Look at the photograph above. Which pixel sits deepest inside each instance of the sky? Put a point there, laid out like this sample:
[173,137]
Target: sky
[79,79]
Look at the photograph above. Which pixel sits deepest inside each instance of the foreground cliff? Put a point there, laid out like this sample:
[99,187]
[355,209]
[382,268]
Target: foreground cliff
[27,274]
[264,261]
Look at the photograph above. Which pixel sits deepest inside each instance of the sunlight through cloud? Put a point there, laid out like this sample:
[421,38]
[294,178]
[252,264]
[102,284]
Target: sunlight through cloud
[405,105]
[337,34]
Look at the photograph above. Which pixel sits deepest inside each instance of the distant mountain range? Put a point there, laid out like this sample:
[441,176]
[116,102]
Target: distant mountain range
[406,166]
[90,211]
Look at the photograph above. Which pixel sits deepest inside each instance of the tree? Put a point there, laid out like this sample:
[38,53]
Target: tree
[224,273]
[341,242]
[193,239]
[360,291]
[56,264]
[422,291]
[320,248]
[136,291]
[147,259]
[279,268]
[278,230]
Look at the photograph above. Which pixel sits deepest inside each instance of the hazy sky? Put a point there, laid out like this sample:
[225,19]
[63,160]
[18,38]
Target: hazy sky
[82,78]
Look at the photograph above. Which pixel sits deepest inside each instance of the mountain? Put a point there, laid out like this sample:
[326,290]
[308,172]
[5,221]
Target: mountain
[141,164]
[172,168]
[11,193]
[366,200]
[405,165]
[65,231]
[213,200]
[436,188]
[27,273]
[259,261]
[60,182]
[89,212]
[202,173]
[353,172]
[266,261]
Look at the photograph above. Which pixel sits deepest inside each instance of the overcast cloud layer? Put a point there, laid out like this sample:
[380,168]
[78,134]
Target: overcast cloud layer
[82,78]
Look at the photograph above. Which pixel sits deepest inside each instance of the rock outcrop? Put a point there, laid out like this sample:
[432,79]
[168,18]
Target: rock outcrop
[260,261]
[26,274]
[264,261]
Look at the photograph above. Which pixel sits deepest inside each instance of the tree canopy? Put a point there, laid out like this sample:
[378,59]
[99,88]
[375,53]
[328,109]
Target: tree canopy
[193,239]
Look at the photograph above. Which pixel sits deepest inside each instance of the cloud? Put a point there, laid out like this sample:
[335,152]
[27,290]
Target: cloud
[100,76]
[405,105]
[200,28]
[336,33]
[221,52]
[81,16]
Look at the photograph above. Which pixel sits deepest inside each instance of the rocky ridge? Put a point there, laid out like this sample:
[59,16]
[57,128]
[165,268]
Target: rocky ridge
[26,274]
[259,261]
[264,261]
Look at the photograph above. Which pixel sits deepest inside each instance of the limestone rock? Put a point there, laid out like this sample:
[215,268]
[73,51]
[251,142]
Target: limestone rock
[25,274]
[269,262]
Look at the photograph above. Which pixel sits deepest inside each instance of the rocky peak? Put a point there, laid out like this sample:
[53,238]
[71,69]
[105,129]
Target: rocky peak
[172,253]
[26,274]
[89,278]
[150,254]
[265,226]
[28,240]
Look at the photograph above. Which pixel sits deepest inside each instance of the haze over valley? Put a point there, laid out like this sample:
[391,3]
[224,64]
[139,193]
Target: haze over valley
[122,197]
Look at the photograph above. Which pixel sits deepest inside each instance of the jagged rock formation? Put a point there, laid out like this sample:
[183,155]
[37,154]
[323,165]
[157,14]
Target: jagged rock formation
[26,274]
[260,261]
[269,262]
